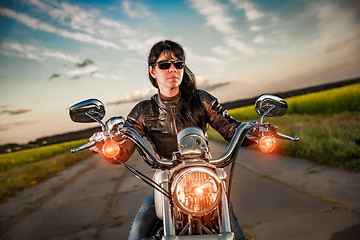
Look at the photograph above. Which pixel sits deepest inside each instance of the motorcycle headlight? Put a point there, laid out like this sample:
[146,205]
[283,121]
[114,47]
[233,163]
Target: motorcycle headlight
[196,191]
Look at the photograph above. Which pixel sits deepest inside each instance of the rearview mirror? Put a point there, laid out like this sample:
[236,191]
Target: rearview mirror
[270,105]
[91,110]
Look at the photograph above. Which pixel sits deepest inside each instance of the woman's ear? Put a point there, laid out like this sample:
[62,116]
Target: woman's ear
[152,71]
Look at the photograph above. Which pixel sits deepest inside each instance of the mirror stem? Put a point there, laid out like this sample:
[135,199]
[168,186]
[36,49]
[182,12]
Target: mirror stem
[262,116]
[103,128]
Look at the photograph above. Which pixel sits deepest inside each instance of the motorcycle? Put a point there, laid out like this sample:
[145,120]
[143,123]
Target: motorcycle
[192,190]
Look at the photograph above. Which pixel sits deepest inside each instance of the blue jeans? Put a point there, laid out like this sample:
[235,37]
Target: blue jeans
[146,219]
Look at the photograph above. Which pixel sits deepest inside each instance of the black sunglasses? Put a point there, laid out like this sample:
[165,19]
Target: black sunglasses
[166,64]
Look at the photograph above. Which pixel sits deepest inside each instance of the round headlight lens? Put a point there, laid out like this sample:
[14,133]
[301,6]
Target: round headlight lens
[196,191]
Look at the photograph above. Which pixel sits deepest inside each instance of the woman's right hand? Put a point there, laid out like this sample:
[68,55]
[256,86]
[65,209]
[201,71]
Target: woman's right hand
[97,148]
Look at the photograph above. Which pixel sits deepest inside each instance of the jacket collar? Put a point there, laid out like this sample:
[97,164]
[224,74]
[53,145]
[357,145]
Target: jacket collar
[167,104]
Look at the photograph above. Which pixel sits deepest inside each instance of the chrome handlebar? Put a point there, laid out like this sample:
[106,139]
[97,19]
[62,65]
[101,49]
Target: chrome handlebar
[228,157]
[233,147]
[140,143]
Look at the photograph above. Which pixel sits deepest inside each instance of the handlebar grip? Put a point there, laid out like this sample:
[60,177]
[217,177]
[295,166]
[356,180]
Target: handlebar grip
[84,146]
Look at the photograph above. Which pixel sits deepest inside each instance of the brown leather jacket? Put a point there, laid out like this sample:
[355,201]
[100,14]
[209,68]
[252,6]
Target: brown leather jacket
[156,119]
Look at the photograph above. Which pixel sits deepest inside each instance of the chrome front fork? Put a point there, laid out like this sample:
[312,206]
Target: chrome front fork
[168,221]
[225,225]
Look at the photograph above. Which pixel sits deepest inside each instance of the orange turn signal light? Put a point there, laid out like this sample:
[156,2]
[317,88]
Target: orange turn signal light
[267,144]
[110,149]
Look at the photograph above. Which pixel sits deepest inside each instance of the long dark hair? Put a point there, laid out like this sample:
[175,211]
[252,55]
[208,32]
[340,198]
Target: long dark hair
[192,112]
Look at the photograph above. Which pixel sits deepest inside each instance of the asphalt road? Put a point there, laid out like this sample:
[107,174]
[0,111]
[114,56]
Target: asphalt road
[273,196]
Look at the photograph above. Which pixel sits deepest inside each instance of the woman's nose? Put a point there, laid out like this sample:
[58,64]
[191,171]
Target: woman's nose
[172,68]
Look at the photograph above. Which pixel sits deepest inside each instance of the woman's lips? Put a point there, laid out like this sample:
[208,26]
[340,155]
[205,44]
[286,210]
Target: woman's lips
[173,78]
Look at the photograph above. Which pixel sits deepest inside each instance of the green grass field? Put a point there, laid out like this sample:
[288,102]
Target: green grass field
[343,99]
[9,161]
[327,122]
[26,168]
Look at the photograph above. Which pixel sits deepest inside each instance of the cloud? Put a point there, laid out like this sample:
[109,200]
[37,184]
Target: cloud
[42,54]
[351,42]
[255,28]
[98,75]
[79,70]
[252,13]
[28,51]
[38,25]
[239,45]
[55,75]
[56,54]
[68,14]
[135,10]
[214,86]
[333,30]
[15,112]
[202,83]
[137,96]
[221,50]
[75,77]
[112,28]
[85,63]
[8,126]
[82,71]
[88,25]
[217,16]
[205,60]
[87,20]
[92,22]
[116,77]
[259,39]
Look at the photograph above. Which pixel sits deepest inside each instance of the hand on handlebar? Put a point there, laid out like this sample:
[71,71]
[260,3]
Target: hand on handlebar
[98,137]
[258,130]
[108,145]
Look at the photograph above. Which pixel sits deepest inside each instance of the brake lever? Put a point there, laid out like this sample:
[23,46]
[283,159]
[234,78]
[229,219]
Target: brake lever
[84,146]
[286,137]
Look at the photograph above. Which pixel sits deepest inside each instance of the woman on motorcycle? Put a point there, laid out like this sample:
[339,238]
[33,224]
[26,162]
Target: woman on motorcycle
[178,104]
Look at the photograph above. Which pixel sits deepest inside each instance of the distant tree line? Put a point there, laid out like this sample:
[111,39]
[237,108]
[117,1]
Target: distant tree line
[297,92]
[60,138]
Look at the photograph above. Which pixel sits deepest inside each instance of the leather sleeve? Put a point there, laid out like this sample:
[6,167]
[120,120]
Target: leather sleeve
[218,117]
[135,117]
[134,120]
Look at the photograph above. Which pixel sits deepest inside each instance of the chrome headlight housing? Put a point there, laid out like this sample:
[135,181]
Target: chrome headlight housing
[196,190]
[191,142]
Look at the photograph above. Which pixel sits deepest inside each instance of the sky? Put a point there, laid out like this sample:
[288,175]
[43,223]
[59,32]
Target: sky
[55,53]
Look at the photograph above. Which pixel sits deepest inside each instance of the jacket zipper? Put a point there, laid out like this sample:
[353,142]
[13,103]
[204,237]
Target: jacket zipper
[174,122]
